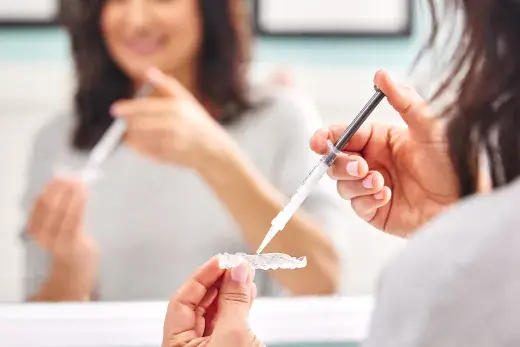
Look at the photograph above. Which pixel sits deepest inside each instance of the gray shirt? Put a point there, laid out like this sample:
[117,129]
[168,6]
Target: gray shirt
[457,283]
[156,223]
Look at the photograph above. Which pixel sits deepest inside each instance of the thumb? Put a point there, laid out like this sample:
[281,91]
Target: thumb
[235,296]
[413,109]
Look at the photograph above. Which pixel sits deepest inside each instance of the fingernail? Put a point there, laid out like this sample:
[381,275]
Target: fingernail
[368,182]
[389,77]
[114,110]
[379,196]
[253,274]
[353,168]
[239,274]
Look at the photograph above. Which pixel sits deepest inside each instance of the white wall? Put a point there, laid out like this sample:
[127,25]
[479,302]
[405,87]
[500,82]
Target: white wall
[37,91]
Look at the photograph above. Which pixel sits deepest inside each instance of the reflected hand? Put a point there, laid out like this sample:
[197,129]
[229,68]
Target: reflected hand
[396,178]
[211,309]
[174,127]
[56,222]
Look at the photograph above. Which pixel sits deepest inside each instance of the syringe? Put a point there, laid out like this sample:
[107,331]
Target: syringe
[109,142]
[281,220]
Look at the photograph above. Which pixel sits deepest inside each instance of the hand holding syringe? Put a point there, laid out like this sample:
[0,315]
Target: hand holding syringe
[281,220]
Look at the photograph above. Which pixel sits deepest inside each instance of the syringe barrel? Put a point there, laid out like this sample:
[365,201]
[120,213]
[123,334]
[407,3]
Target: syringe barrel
[110,140]
[360,119]
[279,222]
[305,188]
[329,158]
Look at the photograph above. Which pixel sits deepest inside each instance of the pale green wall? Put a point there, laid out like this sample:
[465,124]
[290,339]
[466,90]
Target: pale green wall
[51,45]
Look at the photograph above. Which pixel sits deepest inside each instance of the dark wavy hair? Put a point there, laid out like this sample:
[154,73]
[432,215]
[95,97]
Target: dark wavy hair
[485,77]
[221,79]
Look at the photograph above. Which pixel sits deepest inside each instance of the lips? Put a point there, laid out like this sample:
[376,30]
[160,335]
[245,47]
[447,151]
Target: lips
[144,46]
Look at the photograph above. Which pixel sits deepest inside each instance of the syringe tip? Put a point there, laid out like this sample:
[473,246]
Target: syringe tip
[261,248]
[270,235]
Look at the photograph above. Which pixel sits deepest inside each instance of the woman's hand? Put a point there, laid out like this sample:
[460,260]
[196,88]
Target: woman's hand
[174,127]
[56,223]
[211,309]
[410,164]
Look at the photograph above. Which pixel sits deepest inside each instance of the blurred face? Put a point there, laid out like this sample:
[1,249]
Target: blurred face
[161,33]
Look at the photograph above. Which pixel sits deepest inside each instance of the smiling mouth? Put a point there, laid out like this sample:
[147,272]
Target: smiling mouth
[144,46]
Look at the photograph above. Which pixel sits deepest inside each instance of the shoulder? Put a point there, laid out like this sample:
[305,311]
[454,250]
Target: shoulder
[449,266]
[287,107]
[468,228]
[456,274]
[51,140]
[54,134]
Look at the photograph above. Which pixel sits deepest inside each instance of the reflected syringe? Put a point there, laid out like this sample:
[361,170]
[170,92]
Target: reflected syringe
[109,142]
[283,217]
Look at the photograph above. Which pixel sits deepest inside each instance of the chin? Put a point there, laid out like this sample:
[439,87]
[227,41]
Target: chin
[134,70]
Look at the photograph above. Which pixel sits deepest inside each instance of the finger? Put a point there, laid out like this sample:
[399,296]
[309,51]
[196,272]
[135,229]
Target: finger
[200,342]
[167,85]
[366,206]
[373,183]
[207,310]
[52,205]
[58,208]
[143,107]
[211,314]
[186,338]
[235,297]
[211,318]
[411,106]
[348,167]
[205,343]
[36,218]
[38,215]
[213,322]
[74,215]
[191,294]
[207,301]
[160,123]
[319,141]
[254,292]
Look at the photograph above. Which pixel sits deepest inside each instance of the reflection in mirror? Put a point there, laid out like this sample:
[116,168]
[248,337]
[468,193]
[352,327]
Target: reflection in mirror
[205,163]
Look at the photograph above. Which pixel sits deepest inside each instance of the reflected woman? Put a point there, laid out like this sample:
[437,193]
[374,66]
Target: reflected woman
[203,168]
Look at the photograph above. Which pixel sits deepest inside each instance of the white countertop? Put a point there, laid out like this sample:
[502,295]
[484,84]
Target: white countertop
[275,321]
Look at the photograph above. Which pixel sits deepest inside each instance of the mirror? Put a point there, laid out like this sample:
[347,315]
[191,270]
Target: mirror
[142,227]
[29,13]
[334,18]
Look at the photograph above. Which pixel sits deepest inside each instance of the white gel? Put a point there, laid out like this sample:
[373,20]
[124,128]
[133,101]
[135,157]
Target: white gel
[283,217]
[268,261]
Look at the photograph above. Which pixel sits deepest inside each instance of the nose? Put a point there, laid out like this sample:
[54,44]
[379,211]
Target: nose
[137,14]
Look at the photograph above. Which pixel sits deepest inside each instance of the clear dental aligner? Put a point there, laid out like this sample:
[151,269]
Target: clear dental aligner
[267,261]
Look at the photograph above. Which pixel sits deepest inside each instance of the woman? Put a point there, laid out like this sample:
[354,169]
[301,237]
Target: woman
[457,283]
[203,169]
